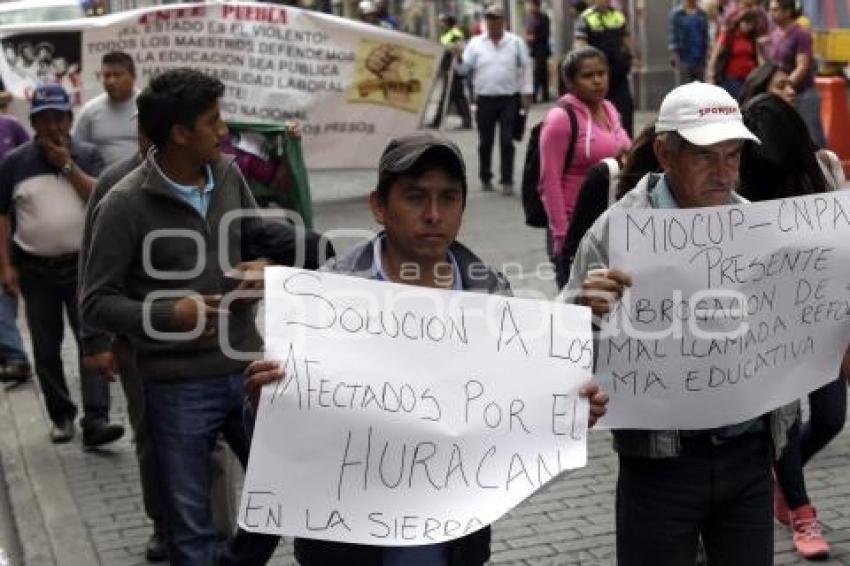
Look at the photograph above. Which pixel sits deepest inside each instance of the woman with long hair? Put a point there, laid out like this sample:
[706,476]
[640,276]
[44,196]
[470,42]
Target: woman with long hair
[785,165]
[599,134]
[790,47]
[735,54]
[770,77]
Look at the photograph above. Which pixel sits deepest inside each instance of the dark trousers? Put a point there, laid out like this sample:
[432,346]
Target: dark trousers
[11,345]
[828,411]
[134,392]
[560,265]
[620,95]
[49,287]
[721,492]
[733,86]
[457,99]
[690,72]
[493,110]
[185,419]
[541,78]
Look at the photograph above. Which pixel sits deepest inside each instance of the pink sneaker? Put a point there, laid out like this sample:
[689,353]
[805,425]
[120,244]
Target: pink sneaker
[808,539]
[780,506]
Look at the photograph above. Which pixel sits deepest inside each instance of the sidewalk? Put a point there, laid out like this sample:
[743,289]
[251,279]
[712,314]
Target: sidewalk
[75,508]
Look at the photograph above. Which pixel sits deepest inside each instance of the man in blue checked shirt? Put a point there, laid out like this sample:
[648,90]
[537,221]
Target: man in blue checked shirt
[688,41]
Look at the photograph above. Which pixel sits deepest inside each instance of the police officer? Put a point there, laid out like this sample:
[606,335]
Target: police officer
[605,28]
[452,38]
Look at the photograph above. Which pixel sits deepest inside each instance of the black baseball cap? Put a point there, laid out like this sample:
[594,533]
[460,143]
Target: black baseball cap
[403,153]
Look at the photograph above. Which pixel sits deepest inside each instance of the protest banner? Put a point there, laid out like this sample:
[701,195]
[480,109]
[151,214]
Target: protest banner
[351,85]
[734,310]
[410,415]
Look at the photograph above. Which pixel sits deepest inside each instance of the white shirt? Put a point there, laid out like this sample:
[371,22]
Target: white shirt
[498,70]
[49,216]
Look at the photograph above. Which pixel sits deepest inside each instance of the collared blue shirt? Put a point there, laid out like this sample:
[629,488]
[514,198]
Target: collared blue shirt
[426,554]
[378,265]
[688,35]
[199,199]
[661,197]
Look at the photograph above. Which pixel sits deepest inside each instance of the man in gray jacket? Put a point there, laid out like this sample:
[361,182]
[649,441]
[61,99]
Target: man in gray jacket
[675,486]
[160,249]
[419,201]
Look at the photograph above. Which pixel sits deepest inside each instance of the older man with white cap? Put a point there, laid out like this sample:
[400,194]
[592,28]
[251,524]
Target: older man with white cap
[676,486]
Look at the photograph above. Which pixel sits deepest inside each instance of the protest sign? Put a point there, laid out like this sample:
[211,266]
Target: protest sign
[410,415]
[734,310]
[351,85]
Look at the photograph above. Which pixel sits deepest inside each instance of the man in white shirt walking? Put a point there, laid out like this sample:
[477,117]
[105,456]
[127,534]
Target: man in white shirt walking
[108,120]
[502,79]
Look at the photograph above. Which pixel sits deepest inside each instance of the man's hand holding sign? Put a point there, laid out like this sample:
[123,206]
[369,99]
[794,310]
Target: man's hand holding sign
[398,411]
[437,411]
[712,314]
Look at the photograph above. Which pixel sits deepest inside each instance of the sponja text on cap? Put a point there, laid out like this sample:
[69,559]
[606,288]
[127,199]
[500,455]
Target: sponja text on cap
[725,110]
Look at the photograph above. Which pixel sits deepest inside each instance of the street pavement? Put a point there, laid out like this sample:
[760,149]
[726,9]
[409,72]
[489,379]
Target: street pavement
[81,508]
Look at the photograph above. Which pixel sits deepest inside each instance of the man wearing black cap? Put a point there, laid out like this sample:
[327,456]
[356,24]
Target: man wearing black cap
[44,186]
[419,201]
[502,78]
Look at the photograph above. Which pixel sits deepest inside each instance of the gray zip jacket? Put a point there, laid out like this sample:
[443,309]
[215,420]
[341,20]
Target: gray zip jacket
[472,549]
[593,254]
[475,274]
[149,247]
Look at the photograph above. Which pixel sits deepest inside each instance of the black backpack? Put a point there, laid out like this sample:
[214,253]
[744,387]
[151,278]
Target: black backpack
[535,214]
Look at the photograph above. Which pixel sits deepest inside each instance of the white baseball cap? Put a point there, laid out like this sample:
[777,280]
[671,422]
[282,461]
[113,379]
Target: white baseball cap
[703,114]
[367,7]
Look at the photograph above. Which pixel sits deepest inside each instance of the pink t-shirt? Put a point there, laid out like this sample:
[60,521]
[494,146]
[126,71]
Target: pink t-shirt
[559,189]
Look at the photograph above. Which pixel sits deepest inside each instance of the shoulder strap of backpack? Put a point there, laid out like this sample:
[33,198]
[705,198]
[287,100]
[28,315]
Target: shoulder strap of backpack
[571,113]
[613,176]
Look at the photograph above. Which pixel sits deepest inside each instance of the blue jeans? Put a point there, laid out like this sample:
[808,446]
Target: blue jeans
[807,104]
[733,86]
[11,346]
[184,420]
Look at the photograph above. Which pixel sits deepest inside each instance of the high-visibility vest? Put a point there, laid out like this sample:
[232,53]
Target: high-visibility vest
[606,30]
[605,20]
[455,34]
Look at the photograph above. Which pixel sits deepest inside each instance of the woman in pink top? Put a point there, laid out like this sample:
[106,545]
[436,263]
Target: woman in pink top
[599,135]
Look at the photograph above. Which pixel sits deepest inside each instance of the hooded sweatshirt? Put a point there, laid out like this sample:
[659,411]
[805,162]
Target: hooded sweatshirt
[559,188]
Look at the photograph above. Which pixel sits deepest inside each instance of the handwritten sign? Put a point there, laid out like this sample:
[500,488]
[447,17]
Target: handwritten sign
[408,415]
[735,310]
[350,85]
